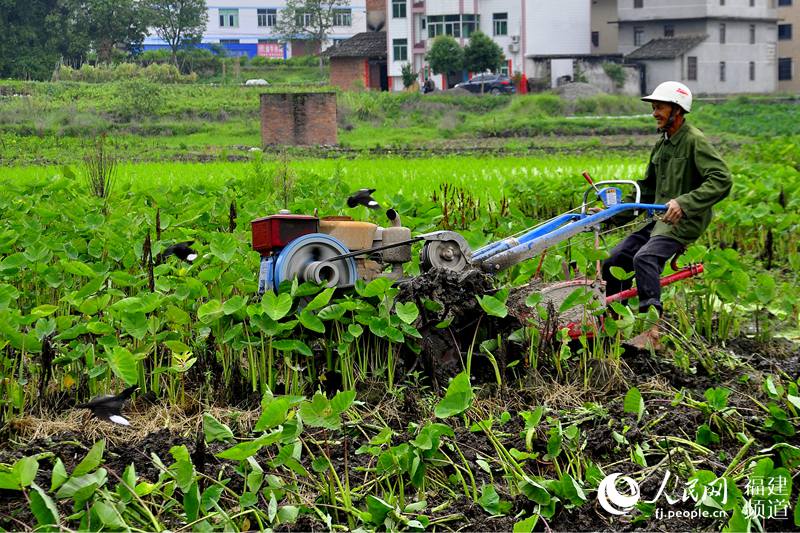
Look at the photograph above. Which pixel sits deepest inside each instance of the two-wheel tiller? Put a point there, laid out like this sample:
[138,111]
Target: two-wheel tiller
[337,251]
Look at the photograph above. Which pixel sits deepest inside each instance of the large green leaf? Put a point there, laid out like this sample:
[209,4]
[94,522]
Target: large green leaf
[92,459]
[109,516]
[408,312]
[633,403]
[81,488]
[214,430]
[457,399]
[233,305]
[324,413]
[245,449]
[320,300]
[311,322]
[276,306]
[123,364]
[493,306]
[273,414]
[223,246]
[293,345]
[43,507]
[210,311]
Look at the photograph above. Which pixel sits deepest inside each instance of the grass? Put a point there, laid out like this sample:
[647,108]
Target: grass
[54,121]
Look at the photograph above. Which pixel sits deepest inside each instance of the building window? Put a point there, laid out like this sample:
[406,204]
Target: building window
[638,35]
[228,18]
[453,25]
[752,71]
[267,17]
[303,19]
[595,38]
[400,49]
[721,71]
[784,32]
[722,2]
[399,9]
[784,68]
[669,30]
[752,3]
[691,68]
[783,3]
[229,41]
[342,17]
[500,23]
[752,34]
[722,34]
[638,3]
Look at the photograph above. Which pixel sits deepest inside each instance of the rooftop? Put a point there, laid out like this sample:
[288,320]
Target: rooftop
[666,48]
[366,44]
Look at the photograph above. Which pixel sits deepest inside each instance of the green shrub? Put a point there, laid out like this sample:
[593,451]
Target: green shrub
[616,72]
[138,98]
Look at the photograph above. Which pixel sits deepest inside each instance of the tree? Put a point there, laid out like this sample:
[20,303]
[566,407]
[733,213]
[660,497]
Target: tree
[36,36]
[309,19]
[178,22]
[445,56]
[482,53]
[110,24]
[408,75]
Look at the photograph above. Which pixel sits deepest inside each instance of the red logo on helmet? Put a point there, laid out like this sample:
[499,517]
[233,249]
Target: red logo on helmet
[681,91]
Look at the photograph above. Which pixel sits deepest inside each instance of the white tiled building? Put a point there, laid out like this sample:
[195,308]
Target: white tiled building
[522,28]
[246,27]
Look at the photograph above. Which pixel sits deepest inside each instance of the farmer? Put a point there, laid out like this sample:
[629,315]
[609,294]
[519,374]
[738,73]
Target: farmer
[687,174]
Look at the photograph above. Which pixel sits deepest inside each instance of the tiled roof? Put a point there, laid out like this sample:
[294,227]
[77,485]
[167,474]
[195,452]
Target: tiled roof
[666,48]
[365,44]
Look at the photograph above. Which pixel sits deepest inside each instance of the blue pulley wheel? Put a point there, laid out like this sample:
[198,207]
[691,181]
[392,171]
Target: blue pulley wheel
[308,259]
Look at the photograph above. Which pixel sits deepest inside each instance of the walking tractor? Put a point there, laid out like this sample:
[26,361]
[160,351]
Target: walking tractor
[337,251]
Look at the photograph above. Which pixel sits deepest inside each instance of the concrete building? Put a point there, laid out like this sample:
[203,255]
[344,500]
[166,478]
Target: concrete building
[713,46]
[246,28]
[789,46]
[605,32]
[522,28]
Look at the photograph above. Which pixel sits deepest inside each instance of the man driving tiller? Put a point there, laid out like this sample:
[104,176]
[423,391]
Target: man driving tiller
[687,174]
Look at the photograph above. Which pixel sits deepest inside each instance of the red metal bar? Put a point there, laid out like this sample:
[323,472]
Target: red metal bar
[687,272]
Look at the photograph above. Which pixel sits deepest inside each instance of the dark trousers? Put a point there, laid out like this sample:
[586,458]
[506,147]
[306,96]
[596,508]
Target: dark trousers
[646,256]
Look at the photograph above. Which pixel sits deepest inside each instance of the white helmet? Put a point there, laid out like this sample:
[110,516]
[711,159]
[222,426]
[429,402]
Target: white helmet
[674,93]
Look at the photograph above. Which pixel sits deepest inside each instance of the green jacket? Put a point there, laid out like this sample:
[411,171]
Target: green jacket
[689,170]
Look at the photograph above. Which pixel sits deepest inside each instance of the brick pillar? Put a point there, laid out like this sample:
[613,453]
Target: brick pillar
[298,118]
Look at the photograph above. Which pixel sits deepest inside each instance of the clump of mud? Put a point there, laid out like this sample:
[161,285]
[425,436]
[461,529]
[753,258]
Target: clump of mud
[455,293]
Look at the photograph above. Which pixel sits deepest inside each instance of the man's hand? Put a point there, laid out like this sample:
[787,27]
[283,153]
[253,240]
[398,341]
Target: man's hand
[674,213]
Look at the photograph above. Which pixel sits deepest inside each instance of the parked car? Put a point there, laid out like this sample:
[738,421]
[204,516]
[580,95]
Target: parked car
[491,83]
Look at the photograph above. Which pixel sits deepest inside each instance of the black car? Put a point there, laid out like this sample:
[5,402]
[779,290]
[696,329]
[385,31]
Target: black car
[491,83]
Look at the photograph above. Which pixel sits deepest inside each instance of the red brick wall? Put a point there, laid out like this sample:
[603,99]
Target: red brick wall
[347,72]
[376,5]
[298,118]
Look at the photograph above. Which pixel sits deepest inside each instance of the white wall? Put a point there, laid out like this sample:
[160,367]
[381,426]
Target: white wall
[248,30]
[558,27]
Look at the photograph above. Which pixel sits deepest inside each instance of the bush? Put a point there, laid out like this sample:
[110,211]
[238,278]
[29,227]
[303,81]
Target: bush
[155,72]
[138,98]
[409,76]
[616,73]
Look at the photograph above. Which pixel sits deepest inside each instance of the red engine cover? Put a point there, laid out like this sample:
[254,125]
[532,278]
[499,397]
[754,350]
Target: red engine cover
[276,231]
